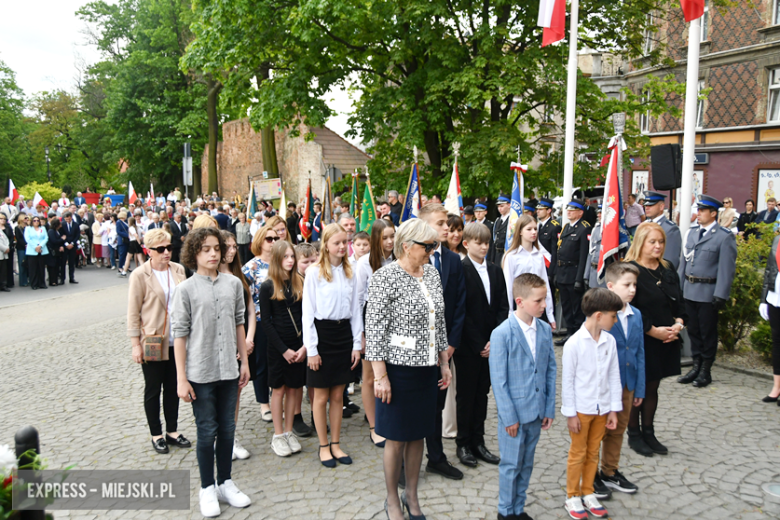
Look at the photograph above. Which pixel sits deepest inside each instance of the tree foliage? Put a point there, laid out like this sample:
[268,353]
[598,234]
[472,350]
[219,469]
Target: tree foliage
[15,152]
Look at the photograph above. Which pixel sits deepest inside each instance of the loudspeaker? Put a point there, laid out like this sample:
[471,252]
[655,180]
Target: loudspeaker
[666,161]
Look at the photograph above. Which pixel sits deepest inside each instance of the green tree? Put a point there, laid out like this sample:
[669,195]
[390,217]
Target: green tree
[15,152]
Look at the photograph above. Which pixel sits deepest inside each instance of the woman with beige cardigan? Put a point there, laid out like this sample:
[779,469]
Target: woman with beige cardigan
[152,287]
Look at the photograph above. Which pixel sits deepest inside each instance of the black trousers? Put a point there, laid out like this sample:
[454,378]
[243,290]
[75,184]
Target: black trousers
[70,256]
[434,442]
[9,271]
[244,253]
[571,299]
[160,378]
[176,254]
[3,273]
[702,329]
[774,322]
[471,399]
[36,265]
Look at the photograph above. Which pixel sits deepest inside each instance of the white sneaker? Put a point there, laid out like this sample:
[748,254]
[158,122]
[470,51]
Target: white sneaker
[228,492]
[351,389]
[574,507]
[239,452]
[209,503]
[280,446]
[292,442]
[593,505]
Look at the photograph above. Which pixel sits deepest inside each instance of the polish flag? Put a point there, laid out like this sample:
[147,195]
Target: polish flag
[12,191]
[692,9]
[552,16]
[546,254]
[39,200]
[131,196]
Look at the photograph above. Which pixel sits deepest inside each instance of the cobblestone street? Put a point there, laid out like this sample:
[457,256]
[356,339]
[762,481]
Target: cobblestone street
[80,389]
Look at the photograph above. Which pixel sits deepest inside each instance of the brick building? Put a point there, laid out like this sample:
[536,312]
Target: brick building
[738,124]
[240,159]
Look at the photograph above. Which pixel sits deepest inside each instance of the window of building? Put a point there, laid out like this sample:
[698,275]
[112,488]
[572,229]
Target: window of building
[644,118]
[705,21]
[549,114]
[776,12]
[648,45]
[700,106]
[774,95]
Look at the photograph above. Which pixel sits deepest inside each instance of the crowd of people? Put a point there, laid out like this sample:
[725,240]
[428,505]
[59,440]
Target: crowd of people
[429,314]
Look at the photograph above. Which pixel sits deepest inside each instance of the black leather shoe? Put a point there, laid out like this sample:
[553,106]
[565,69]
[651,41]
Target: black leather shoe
[346,413]
[300,428]
[482,453]
[160,446]
[180,441]
[445,469]
[705,376]
[73,281]
[4,289]
[523,516]
[692,374]
[466,457]
[637,443]
[648,433]
[510,517]
[769,399]
[561,342]
[352,406]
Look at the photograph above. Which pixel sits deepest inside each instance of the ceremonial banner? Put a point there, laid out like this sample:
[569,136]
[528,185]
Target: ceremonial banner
[368,212]
[454,201]
[131,196]
[516,206]
[12,191]
[307,217]
[327,205]
[251,207]
[614,236]
[552,16]
[353,203]
[412,200]
[39,200]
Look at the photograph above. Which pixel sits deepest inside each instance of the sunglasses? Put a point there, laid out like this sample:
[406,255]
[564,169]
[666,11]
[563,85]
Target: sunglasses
[428,246]
[162,249]
[271,239]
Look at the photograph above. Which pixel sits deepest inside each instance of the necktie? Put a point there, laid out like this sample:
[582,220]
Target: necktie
[437,261]
[701,232]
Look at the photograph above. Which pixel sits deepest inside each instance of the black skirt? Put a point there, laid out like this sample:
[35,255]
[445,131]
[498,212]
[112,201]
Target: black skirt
[280,372]
[335,349]
[134,248]
[661,359]
[411,413]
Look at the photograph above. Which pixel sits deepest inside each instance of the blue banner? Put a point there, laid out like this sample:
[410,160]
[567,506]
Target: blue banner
[412,200]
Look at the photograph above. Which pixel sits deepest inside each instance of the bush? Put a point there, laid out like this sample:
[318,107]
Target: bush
[48,192]
[740,313]
[761,340]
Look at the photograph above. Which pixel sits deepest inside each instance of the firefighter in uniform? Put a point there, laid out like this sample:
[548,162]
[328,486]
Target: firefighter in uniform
[654,211]
[500,228]
[480,212]
[549,229]
[706,272]
[570,270]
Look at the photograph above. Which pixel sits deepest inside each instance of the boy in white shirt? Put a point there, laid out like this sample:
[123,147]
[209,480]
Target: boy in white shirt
[591,396]
[361,246]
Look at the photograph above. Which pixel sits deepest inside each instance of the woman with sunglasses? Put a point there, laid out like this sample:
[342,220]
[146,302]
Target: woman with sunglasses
[149,307]
[256,271]
[728,214]
[37,252]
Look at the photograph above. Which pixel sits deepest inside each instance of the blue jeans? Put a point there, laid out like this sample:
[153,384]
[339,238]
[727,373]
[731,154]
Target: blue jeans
[122,255]
[21,257]
[517,463]
[214,408]
[112,255]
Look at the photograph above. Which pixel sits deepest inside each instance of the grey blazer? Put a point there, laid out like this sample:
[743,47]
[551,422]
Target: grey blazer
[712,256]
[673,241]
[770,273]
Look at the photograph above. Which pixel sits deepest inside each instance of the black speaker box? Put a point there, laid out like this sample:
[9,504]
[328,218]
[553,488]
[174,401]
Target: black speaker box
[666,161]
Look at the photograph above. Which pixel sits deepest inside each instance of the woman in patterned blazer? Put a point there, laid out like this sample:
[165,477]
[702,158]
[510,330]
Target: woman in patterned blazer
[406,337]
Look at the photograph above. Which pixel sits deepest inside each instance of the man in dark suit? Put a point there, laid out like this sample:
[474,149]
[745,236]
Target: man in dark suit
[570,272]
[500,229]
[454,288]
[233,220]
[72,233]
[768,215]
[89,219]
[590,214]
[178,232]
[222,220]
[292,223]
[79,200]
[487,307]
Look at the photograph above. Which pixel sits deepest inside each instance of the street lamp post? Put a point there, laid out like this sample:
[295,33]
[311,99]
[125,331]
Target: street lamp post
[48,170]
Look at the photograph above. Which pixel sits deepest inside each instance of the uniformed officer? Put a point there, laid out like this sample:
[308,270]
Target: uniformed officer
[549,229]
[500,228]
[594,250]
[654,211]
[706,272]
[529,210]
[570,273]
[480,212]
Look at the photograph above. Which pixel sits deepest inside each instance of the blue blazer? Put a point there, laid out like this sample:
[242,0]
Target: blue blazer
[453,283]
[122,232]
[631,353]
[524,389]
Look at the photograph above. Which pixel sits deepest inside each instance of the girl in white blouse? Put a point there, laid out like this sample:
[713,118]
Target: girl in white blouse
[382,243]
[526,256]
[331,335]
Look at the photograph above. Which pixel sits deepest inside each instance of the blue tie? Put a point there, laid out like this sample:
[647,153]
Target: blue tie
[437,261]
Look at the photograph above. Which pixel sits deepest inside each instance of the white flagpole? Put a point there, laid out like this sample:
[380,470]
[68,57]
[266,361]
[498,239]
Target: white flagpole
[571,107]
[689,136]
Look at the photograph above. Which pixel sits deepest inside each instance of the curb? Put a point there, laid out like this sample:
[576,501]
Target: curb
[747,371]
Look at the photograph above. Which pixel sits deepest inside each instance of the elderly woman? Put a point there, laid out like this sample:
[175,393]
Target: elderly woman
[406,337]
[659,299]
[149,307]
[243,239]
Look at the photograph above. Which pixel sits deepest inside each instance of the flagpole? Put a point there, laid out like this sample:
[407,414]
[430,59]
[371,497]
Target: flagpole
[571,106]
[689,136]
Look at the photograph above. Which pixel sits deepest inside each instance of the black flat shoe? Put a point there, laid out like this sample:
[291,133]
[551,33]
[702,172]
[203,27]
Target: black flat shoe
[482,453]
[160,446]
[377,444]
[331,463]
[342,460]
[180,441]
[769,399]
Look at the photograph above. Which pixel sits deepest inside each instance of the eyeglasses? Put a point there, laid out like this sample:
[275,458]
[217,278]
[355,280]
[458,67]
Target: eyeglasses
[36,220]
[271,239]
[428,246]
[162,249]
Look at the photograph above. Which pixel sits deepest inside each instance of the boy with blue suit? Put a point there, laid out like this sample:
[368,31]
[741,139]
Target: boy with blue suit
[522,371]
[629,339]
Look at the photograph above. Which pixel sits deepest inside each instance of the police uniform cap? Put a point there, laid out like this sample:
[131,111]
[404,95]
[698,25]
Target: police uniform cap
[545,203]
[576,204]
[653,197]
[503,199]
[707,202]
[528,207]
[468,210]
[480,207]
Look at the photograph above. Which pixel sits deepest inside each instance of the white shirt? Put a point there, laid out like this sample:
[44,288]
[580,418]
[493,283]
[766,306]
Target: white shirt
[542,223]
[363,274]
[623,317]
[591,375]
[63,203]
[504,217]
[168,285]
[432,258]
[707,228]
[483,275]
[521,261]
[529,331]
[254,226]
[323,300]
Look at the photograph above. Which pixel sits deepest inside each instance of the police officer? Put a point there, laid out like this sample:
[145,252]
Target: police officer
[549,229]
[500,228]
[570,273]
[706,272]
[654,211]
[480,212]
[529,210]
[594,250]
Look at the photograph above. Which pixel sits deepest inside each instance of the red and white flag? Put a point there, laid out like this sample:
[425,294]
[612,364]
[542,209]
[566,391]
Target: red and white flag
[692,9]
[552,16]
[39,200]
[131,196]
[610,210]
[12,191]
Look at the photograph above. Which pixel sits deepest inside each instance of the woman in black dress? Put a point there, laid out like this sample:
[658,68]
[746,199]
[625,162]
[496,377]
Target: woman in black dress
[659,298]
[55,264]
[748,217]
